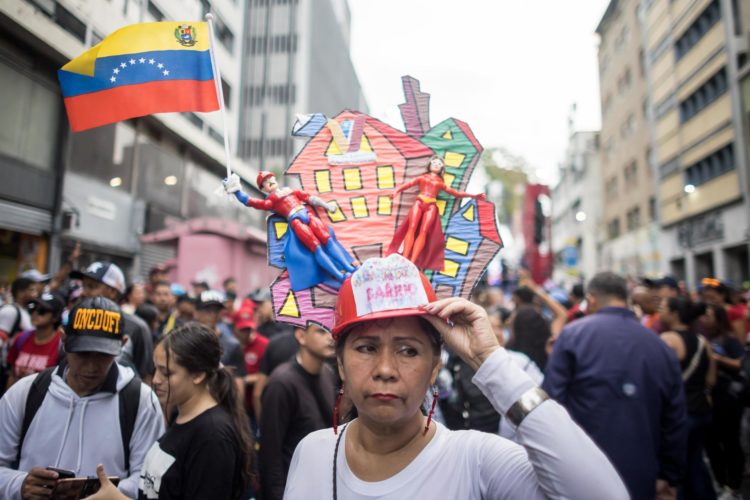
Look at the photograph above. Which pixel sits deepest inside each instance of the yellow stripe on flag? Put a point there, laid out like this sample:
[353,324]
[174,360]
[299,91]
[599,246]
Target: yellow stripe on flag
[136,38]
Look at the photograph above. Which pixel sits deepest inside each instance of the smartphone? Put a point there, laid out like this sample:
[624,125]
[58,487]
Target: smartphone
[78,487]
[62,473]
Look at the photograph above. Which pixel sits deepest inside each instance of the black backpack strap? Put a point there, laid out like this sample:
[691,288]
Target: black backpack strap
[17,323]
[130,398]
[34,399]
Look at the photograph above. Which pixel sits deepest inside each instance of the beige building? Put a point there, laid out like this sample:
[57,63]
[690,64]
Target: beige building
[629,229]
[693,49]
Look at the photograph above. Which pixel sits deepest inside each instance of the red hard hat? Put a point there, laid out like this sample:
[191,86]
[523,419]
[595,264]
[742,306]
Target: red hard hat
[262,176]
[388,287]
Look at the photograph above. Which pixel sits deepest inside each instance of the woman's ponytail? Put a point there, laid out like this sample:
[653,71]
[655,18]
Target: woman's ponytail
[224,390]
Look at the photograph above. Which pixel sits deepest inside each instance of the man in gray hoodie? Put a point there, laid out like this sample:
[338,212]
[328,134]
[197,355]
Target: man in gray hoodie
[78,422]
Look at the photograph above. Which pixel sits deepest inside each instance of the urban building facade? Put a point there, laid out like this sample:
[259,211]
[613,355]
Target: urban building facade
[696,52]
[577,211]
[107,186]
[630,232]
[296,61]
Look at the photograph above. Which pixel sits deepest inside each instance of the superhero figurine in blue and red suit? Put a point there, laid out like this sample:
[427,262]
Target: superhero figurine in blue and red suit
[311,246]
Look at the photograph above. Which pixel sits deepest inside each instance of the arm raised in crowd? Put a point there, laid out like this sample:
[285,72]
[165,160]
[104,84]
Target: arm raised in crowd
[559,314]
[558,449]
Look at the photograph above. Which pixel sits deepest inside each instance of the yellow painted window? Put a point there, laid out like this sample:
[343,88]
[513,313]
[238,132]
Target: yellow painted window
[323,181]
[352,179]
[333,149]
[385,204]
[280,229]
[338,215]
[386,179]
[454,159]
[448,179]
[359,207]
[448,135]
[450,268]
[457,245]
[441,206]
[469,213]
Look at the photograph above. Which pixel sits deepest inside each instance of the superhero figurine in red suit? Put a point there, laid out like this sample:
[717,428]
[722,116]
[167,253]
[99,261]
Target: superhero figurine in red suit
[424,219]
[306,227]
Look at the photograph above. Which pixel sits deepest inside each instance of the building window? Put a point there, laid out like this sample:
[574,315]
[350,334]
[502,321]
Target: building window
[613,228]
[359,207]
[652,209]
[31,108]
[385,177]
[276,94]
[194,119]
[706,94]
[323,181]
[611,187]
[278,44]
[634,218]
[454,159]
[337,215]
[69,22]
[710,167]
[154,11]
[631,173]
[224,34]
[227,90]
[705,21]
[352,179]
[385,205]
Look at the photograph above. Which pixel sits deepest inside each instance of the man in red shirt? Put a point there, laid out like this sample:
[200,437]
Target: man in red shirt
[254,347]
[34,350]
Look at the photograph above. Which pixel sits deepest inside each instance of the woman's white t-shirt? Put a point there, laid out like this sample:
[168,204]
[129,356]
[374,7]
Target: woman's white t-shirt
[552,457]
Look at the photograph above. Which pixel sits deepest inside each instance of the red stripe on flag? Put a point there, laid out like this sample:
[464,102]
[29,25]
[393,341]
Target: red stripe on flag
[86,111]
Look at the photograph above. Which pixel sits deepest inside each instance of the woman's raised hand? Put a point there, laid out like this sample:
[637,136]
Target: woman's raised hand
[465,328]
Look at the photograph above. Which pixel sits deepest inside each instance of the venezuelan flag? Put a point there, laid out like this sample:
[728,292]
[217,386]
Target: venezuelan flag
[139,70]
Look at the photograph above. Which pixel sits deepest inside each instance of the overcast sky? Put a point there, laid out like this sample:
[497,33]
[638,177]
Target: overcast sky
[511,69]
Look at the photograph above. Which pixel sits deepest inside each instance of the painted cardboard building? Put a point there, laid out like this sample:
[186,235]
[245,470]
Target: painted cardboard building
[356,161]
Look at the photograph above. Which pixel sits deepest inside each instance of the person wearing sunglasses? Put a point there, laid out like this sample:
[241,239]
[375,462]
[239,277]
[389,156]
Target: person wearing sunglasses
[38,348]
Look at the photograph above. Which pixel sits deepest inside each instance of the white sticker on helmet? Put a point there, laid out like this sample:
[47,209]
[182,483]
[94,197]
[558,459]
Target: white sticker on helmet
[387,284]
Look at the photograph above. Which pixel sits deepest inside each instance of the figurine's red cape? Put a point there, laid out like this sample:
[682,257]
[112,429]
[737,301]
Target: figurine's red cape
[433,253]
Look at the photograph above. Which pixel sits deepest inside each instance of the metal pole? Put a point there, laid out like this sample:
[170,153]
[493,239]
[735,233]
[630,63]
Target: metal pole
[219,91]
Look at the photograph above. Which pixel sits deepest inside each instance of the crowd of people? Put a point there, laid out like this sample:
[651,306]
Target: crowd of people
[653,374]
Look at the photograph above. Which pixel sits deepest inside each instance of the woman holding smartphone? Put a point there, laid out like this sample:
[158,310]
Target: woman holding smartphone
[207,451]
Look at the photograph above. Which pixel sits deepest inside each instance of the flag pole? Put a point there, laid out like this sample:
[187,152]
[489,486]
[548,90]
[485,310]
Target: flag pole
[219,90]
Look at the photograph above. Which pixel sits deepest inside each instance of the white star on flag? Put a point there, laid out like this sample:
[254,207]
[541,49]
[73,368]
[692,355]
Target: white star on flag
[141,60]
[113,79]
[123,65]
[116,71]
[166,72]
[151,61]
[132,61]
[160,65]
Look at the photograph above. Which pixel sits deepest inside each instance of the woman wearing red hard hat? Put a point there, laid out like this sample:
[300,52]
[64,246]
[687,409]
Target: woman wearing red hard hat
[388,331]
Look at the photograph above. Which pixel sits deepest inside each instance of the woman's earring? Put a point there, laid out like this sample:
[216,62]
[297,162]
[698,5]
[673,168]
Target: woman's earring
[336,411]
[435,395]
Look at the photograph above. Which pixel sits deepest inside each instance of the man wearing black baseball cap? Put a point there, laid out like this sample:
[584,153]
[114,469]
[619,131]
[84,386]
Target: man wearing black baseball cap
[105,279]
[38,348]
[67,418]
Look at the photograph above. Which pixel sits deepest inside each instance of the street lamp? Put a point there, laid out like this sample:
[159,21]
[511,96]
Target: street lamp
[689,188]
[580,216]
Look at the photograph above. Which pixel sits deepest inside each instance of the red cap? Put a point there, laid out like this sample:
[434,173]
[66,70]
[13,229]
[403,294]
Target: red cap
[244,319]
[390,287]
[262,176]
